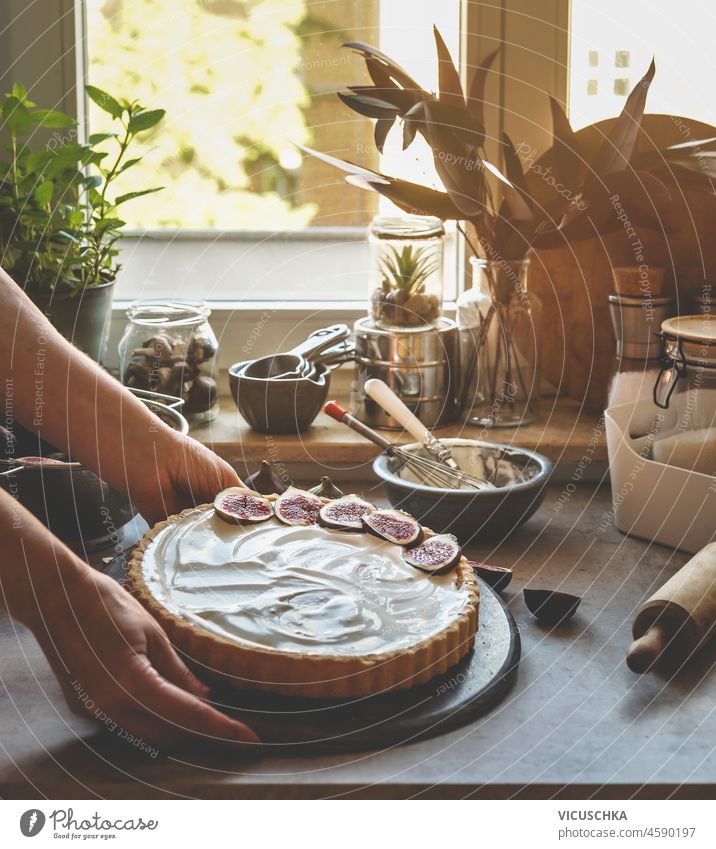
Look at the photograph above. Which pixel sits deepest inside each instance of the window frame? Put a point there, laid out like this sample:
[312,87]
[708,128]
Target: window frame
[59,25]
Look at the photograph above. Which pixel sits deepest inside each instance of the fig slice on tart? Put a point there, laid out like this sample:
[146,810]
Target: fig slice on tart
[498,577]
[393,526]
[345,514]
[239,506]
[298,507]
[436,555]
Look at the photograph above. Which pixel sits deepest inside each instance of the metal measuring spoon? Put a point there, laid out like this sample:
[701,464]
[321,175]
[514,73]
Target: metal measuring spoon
[296,362]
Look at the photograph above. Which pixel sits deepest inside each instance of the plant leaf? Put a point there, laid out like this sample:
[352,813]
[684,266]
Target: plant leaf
[51,118]
[65,157]
[43,193]
[104,101]
[413,198]
[617,148]
[380,134]
[394,70]
[145,119]
[519,208]
[392,95]
[458,167]
[344,165]
[566,147]
[458,120]
[476,92]
[129,164]
[450,87]
[17,119]
[371,107]
[97,138]
[37,160]
[139,194]
[108,224]
[595,210]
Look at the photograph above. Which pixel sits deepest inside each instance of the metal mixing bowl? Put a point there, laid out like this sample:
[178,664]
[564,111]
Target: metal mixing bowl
[470,514]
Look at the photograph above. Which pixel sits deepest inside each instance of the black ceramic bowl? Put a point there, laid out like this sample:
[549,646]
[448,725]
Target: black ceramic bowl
[469,514]
[279,406]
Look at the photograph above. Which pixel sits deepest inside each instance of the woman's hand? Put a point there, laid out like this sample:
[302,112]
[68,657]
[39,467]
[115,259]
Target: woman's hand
[179,473]
[116,664]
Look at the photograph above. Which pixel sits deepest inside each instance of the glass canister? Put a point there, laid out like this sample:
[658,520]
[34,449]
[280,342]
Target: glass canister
[636,322]
[169,347]
[406,289]
[500,324]
[686,386]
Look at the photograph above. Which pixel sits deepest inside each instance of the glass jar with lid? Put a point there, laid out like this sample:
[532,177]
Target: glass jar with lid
[169,347]
[686,386]
[406,289]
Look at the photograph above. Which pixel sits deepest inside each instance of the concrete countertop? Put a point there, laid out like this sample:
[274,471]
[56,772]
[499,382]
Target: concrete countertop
[576,715]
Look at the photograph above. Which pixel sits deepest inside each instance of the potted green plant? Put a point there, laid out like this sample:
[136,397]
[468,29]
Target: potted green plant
[59,217]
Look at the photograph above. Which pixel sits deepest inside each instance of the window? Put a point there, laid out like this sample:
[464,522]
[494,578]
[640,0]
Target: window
[626,36]
[242,81]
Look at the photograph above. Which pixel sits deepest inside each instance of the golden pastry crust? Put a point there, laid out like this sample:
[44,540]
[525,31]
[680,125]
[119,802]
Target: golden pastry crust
[303,673]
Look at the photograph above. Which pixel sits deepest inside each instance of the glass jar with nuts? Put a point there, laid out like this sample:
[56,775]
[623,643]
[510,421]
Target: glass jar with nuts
[170,348]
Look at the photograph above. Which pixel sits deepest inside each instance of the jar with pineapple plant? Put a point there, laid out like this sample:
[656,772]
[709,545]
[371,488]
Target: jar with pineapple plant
[406,289]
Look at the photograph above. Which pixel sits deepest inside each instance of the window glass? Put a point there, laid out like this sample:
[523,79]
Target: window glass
[242,81]
[612,44]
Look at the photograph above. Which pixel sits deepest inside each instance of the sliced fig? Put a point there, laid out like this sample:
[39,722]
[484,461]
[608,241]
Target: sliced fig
[393,526]
[242,506]
[266,480]
[39,461]
[297,507]
[345,514]
[436,555]
[498,577]
[326,489]
[550,606]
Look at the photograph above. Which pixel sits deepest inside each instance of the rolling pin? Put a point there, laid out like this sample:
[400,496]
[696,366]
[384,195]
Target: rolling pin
[679,618]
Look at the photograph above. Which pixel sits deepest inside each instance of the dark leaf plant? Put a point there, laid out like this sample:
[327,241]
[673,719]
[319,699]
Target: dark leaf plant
[509,208]
[60,217]
[506,208]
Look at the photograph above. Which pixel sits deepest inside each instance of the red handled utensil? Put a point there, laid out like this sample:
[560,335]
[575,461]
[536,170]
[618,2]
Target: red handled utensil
[429,472]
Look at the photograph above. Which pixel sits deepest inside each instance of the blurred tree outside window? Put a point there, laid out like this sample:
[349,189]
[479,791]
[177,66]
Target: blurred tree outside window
[241,81]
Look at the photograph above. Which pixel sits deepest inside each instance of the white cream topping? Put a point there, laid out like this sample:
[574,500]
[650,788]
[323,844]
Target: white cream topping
[296,589]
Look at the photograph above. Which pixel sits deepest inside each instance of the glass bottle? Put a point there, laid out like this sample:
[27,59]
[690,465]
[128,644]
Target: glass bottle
[500,325]
[169,347]
[406,289]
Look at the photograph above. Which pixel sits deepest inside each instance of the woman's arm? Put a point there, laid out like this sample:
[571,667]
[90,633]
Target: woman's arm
[69,401]
[111,658]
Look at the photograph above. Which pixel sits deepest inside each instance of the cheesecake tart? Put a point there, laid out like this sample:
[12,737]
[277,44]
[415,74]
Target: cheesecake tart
[303,609]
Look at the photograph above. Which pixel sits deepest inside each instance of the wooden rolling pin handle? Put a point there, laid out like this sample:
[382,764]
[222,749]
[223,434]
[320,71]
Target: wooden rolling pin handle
[645,652]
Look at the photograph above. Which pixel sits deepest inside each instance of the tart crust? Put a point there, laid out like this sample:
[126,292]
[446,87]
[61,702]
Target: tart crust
[305,674]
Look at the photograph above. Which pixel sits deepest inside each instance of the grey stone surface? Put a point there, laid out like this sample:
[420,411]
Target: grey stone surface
[577,723]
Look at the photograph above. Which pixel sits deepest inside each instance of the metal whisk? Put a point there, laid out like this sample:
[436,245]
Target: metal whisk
[430,472]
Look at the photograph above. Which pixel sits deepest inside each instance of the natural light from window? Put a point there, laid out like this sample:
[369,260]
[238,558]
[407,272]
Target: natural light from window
[241,82]
[612,44]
